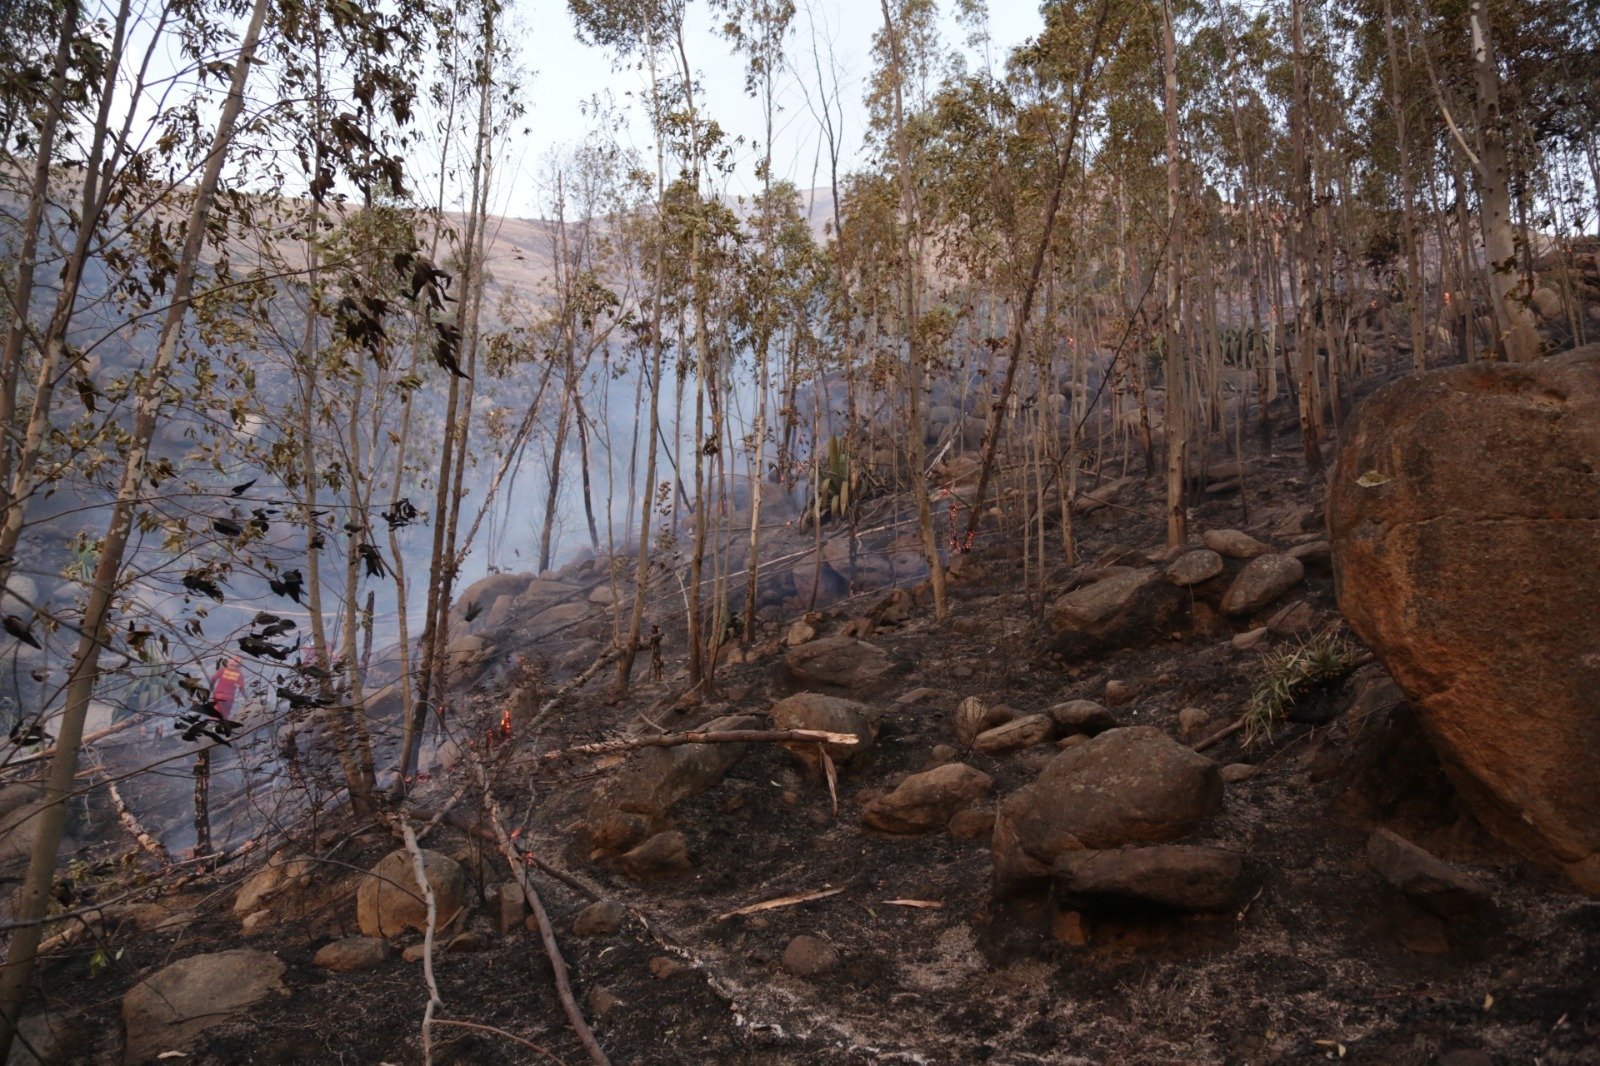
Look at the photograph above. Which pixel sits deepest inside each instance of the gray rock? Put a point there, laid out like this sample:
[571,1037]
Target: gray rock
[283,873]
[49,1039]
[973,716]
[1191,720]
[1191,568]
[1297,617]
[812,710]
[1014,735]
[486,590]
[1262,581]
[1175,876]
[561,616]
[974,823]
[1082,716]
[635,801]
[663,855]
[1100,603]
[601,918]
[1233,543]
[843,662]
[1312,553]
[1127,786]
[513,906]
[171,1007]
[800,632]
[1250,640]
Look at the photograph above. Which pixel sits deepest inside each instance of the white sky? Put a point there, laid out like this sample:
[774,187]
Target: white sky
[566,73]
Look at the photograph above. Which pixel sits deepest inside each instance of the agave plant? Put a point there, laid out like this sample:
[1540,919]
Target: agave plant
[838,482]
[1292,674]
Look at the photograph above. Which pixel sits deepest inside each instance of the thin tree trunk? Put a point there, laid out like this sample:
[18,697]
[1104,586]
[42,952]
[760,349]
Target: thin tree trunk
[1507,284]
[1174,353]
[1305,317]
[35,894]
[919,475]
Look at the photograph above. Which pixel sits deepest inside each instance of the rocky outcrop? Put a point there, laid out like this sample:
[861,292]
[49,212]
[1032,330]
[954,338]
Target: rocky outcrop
[171,1007]
[1126,786]
[1464,515]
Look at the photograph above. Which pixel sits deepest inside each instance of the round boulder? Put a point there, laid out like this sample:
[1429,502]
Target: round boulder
[1126,786]
[389,902]
[1265,579]
[812,710]
[927,801]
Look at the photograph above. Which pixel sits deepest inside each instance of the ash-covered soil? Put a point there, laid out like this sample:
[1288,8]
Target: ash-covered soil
[1323,960]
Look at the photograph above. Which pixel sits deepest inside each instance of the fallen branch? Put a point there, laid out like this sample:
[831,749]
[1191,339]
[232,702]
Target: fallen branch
[575,683]
[90,738]
[499,1032]
[781,901]
[143,836]
[551,949]
[711,736]
[420,872]
[467,824]
[1219,736]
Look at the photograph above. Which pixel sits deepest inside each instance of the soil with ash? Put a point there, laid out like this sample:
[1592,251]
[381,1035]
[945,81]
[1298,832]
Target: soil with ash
[1323,960]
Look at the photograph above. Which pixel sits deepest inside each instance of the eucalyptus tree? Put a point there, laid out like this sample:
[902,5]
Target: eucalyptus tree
[480,77]
[906,52]
[148,403]
[758,29]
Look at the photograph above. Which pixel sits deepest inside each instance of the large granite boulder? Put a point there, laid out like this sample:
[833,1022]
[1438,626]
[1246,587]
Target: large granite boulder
[1464,515]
